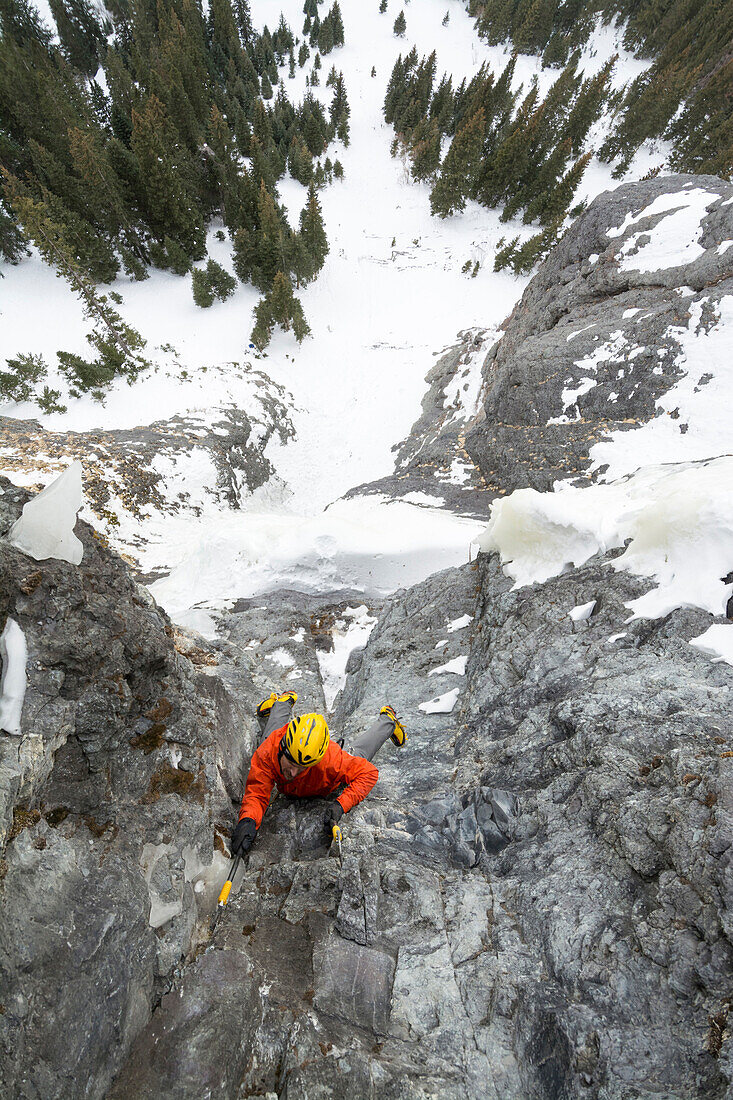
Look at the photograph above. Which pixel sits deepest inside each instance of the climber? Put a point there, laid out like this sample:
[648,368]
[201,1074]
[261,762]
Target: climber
[299,756]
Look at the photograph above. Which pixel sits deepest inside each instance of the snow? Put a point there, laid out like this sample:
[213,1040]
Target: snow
[678,518]
[377,312]
[442,704]
[617,637]
[282,658]
[14,656]
[675,238]
[46,527]
[717,642]
[371,544]
[582,612]
[441,643]
[703,408]
[351,632]
[459,623]
[457,667]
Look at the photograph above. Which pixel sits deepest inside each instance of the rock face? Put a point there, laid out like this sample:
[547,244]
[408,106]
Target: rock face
[433,460]
[595,339]
[110,799]
[534,900]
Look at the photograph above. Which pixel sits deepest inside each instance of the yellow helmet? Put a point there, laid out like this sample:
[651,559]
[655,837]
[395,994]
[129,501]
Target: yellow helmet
[307,739]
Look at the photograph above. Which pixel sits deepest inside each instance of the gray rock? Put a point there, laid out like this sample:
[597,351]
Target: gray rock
[110,802]
[583,303]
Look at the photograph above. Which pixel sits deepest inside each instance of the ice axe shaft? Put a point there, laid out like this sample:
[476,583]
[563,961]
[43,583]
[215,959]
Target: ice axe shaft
[336,835]
[226,890]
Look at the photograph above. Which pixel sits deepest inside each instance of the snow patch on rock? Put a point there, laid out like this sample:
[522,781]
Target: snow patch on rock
[442,704]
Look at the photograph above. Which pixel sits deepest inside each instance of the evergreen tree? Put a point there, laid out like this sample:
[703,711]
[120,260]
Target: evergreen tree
[425,150]
[244,21]
[337,24]
[279,306]
[81,34]
[382,6]
[164,176]
[313,235]
[460,168]
[325,36]
[266,86]
[203,294]
[400,25]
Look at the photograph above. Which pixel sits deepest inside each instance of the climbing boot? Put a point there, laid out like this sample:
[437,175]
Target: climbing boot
[266,705]
[397,736]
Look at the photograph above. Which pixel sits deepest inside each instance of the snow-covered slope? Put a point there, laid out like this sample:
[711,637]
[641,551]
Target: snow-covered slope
[391,294]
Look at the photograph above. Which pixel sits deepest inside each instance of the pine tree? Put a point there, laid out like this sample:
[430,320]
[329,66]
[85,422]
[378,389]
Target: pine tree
[313,234]
[400,25]
[266,86]
[460,167]
[203,294]
[81,34]
[170,203]
[425,151]
[325,36]
[118,345]
[337,23]
[382,6]
[279,306]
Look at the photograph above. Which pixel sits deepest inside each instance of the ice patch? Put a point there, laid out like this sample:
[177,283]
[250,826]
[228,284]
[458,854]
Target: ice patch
[578,332]
[46,527]
[678,518]
[617,637]
[629,313]
[724,246]
[441,643]
[14,656]
[457,667]
[442,704]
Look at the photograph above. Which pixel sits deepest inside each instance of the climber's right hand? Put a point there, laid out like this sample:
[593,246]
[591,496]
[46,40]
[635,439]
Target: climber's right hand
[242,837]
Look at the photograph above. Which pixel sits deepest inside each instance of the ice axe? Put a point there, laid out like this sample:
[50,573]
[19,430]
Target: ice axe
[226,890]
[337,836]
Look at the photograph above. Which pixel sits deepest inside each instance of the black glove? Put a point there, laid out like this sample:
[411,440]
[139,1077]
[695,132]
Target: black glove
[243,836]
[334,813]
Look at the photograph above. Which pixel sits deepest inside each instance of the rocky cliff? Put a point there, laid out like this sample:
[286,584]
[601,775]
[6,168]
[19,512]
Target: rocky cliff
[535,900]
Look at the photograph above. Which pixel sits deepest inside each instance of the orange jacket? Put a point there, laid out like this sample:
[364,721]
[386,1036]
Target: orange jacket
[334,769]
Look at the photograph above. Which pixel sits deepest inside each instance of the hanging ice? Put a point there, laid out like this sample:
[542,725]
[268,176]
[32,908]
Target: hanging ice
[13,653]
[46,527]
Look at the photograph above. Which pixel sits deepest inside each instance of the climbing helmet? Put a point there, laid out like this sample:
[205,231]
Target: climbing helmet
[307,739]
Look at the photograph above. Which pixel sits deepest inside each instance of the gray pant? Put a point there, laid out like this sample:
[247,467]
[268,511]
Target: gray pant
[366,744]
